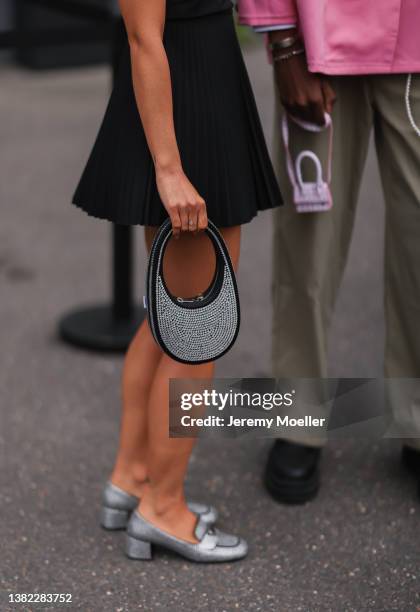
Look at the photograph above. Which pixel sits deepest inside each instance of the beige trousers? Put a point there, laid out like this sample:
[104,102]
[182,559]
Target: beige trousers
[310,250]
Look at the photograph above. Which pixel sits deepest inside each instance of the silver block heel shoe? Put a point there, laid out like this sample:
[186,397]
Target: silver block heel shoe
[213,546]
[117,506]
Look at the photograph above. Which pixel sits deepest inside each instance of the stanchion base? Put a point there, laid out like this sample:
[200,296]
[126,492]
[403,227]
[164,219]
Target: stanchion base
[96,328]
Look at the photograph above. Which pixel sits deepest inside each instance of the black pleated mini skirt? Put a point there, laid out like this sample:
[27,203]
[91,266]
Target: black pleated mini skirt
[218,130]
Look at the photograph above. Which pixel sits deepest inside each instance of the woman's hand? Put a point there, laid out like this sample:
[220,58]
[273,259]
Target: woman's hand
[185,207]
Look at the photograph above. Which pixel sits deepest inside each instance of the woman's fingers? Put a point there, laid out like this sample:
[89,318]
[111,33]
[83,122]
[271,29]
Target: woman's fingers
[188,218]
[202,216]
[193,215]
[193,220]
[176,222]
[183,213]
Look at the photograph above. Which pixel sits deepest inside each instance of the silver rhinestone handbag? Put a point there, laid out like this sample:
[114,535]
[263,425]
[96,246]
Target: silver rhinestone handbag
[198,329]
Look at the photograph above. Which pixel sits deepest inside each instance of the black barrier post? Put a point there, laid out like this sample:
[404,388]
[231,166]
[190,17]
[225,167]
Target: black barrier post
[109,328]
[123,303]
[122,236]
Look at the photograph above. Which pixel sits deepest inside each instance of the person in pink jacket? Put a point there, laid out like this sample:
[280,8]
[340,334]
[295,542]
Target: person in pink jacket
[341,37]
[359,61]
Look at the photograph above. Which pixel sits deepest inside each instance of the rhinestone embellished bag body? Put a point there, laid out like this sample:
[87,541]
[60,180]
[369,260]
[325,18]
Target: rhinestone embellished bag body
[198,329]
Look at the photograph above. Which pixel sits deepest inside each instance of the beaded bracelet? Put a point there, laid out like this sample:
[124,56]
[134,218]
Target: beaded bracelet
[286,56]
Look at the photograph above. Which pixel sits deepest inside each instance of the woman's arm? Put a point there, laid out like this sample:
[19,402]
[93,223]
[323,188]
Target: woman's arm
[144,21]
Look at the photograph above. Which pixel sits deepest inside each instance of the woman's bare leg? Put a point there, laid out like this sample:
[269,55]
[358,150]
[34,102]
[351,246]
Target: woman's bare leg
[140,365]
[188,268]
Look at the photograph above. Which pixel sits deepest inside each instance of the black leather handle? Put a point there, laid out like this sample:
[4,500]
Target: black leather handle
[223,260]
[162,237]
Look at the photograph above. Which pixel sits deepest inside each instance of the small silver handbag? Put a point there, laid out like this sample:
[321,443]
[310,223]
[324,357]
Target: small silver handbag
[198,329]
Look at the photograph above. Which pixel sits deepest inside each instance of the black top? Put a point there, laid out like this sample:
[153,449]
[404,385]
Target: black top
[185,9]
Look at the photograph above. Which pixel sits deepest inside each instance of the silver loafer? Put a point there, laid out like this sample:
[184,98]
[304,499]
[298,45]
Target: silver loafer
[117,506]
[213,546]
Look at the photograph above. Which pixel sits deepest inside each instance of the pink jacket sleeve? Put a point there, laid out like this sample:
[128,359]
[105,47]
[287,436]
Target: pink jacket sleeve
[267,12]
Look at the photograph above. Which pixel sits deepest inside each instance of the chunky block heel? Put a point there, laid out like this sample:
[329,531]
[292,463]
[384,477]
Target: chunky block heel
[138,549]
[114,519]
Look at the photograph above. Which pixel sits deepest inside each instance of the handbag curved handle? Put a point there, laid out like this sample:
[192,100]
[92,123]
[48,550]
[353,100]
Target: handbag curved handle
[298,165]
[223,261]
[165,232]
[311,127]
